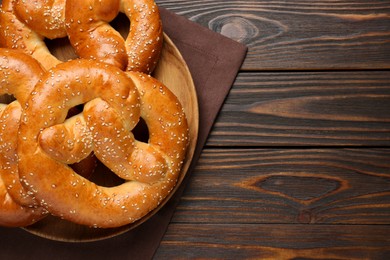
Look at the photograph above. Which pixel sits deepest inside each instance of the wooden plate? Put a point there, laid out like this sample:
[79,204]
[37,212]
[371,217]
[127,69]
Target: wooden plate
[173,72]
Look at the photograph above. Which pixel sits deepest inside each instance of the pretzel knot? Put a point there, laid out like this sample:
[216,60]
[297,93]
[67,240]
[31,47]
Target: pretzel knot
[113,102]
[17,18]
[25,24]
[19,73]
[87,24]
[46,17]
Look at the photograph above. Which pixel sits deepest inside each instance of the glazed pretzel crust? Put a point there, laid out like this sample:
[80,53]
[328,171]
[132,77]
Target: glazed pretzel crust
[14,34]
[19,73]
[45,17]
[113,102]
[93,38]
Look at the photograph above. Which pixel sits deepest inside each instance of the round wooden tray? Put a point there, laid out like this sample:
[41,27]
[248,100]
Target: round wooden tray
[173,72]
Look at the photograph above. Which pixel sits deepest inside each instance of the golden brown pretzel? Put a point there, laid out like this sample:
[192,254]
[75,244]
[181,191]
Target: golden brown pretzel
[14,215]
[17,207]
[92,37]
[19,73]
[113,103]
[46,17]
[15,34]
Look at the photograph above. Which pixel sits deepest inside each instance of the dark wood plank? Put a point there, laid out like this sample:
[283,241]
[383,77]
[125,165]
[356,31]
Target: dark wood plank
[302,34]
[327,186]
[306,108]
[251,241]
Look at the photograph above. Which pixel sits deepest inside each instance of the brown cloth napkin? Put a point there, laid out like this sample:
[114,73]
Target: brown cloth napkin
[214,61]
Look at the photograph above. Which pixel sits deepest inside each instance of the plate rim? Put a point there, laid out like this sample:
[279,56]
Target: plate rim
[183,172]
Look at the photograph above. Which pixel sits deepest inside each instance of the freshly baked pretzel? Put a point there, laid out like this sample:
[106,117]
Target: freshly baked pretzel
[92,36]
[45,17]
[15,34]
[114,102]
[19,73]
[14,215]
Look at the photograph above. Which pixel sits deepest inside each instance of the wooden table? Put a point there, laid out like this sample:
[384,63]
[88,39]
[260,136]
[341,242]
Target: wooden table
[298,162]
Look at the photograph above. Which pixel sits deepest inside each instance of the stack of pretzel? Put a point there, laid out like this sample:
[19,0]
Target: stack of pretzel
[66,115]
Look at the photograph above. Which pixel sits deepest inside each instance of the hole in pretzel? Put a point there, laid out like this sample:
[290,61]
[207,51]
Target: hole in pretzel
[141,131]
[61,48]
[121,24]
[75,111]
[102,175]
[6,99]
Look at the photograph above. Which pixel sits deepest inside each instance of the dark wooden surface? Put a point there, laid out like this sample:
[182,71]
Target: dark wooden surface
[297,165]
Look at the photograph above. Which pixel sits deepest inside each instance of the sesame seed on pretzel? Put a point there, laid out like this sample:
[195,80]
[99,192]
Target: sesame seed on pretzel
[19,74]
[46,17]
[87,24]
[113,102]
[15,34]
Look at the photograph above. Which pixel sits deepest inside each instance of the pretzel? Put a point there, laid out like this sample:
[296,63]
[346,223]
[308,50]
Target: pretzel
[20,73]
[15,34]
[14,215]
[113,103]
[93,38]
[45,17]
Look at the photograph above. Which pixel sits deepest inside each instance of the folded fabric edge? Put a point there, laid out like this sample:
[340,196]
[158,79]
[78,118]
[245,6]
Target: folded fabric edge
[231,56]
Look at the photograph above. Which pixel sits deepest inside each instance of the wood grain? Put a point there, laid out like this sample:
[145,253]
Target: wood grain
[294,186]
[290,169]
[250,241]
[306,108]
[294,35]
